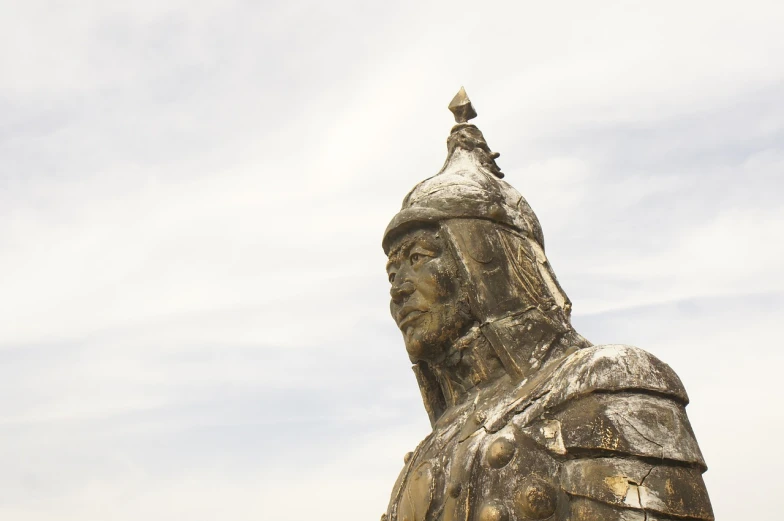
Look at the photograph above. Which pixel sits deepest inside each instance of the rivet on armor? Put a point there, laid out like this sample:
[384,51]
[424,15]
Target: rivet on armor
[407,457]
[492,511]
[455,489]
[500,452]
[536,500]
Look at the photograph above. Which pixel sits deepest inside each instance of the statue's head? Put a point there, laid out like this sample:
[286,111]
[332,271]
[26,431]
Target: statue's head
[428,299]
[466,250]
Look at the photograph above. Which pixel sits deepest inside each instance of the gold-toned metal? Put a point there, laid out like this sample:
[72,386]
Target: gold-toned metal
[418,494]
[530,420]
[499,453]
[493,511]
[536,499]
[461,107]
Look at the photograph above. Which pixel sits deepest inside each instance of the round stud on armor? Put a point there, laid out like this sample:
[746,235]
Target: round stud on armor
[499,453]
[535,499]
[407,457]
[492,511]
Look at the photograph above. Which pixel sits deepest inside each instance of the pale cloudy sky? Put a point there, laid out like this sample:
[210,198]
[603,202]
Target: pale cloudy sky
[193,305]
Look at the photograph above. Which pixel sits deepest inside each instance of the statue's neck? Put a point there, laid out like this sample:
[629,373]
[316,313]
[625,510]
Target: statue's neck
[471,363]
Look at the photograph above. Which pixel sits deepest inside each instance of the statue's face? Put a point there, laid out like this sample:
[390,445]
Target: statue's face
[428,301]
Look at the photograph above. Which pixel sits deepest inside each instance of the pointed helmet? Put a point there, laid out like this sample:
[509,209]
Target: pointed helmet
[498,241]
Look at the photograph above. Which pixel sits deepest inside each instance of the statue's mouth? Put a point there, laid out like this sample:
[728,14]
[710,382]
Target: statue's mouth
[408,316]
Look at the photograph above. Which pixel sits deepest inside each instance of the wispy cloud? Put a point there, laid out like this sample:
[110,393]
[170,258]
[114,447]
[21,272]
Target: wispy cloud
[193,319]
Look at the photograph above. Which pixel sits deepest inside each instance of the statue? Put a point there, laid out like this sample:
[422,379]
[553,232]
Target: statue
[530,420]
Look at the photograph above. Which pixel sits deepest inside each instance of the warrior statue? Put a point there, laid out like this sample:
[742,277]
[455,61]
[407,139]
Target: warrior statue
[530,420]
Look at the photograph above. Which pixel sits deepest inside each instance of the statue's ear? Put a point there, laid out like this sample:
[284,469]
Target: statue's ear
[432,396]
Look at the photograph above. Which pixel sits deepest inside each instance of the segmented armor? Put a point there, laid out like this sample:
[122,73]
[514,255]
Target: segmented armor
[551,427]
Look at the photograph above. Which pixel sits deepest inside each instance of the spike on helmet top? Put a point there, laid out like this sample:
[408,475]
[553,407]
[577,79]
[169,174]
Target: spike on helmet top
[469,185]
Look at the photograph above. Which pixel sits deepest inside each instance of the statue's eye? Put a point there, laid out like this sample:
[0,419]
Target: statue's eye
[415,257]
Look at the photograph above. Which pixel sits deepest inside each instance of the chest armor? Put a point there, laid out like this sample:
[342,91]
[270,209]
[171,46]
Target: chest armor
[461,472]
[606,438]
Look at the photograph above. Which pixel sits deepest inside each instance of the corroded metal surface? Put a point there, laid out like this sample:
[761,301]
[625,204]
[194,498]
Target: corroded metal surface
[530,421]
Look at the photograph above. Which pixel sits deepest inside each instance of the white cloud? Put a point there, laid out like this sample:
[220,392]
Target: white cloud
[192,197]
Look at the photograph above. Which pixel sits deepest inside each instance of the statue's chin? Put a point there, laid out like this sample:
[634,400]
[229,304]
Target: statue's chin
[420,350]
[431,341]
[416,351]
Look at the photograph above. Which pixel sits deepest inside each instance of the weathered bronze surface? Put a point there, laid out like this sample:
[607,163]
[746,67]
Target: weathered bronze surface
[530,420]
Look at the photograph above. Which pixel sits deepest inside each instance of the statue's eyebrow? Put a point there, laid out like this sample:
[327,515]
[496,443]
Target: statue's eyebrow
[396,253]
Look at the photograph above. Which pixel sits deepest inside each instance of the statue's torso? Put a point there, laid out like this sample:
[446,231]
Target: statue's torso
[599,435]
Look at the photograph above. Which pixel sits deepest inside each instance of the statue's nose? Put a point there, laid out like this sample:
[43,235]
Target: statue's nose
[401,291]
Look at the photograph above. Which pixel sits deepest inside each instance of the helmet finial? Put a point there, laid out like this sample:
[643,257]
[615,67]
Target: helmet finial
[461,107]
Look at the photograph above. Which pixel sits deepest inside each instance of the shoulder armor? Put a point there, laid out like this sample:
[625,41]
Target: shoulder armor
[598,369]
[637,486]
[614,368]
[632,424]
[615,399]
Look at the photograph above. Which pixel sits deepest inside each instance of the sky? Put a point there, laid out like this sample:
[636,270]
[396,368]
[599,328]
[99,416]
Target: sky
[194,312]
